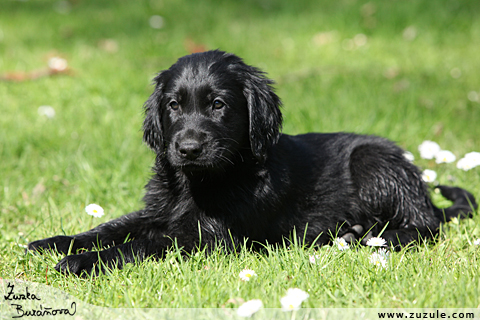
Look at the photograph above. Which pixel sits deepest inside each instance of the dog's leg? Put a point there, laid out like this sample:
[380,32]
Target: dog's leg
[397,238]
[110,233]
[391,191]
[135,251]
[114,257]
[463,206]
[402,237]
[355,233]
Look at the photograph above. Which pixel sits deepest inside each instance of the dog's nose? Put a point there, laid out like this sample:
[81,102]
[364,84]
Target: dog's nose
[189,149]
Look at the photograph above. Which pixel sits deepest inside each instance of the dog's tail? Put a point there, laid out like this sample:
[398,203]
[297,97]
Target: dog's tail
[463,204]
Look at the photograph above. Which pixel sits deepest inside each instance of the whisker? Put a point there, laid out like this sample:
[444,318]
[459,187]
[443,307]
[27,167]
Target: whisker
[219,139]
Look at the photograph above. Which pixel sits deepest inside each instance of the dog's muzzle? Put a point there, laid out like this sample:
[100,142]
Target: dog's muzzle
[189,149]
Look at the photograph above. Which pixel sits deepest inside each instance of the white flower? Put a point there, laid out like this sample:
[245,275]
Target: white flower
[429,175]
[428,149]
[471,160]
[249,308]
[46,111]
[94,210]
[156,22]
[376,242]
[246,274]
[410,33]
[409,156]
[299,293]
[384,253]
[476,242]
[360,40]
[57,64]
[473,96]
[454,220]
[444,156]
[341,244]
[290,303]
[465,164]
[293,299]
[379,260]
[312,258]
[473,155]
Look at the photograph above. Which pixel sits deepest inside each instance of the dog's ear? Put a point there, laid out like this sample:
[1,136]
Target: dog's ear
[152,125]
[264,112]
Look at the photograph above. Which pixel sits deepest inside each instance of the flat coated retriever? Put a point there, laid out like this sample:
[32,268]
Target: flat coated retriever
[224,173]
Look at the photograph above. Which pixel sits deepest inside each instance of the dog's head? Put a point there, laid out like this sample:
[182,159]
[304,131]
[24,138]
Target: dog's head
[208,109]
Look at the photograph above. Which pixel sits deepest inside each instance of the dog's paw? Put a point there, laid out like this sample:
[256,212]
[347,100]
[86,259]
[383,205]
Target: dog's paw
[59,243]
[80,264]
[353,234]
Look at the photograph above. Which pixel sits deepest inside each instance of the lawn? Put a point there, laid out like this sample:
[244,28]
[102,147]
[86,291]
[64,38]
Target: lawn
[405,70]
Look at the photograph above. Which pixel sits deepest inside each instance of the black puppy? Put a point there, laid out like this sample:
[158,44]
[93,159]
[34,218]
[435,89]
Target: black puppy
[225,173]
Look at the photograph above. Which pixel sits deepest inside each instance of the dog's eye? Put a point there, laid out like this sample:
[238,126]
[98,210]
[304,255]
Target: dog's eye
[174,105]
[217,104]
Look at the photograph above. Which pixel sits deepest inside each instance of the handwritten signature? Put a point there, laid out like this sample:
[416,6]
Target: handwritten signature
[40,312]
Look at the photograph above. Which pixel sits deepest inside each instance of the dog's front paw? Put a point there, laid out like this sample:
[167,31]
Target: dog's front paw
[80,264]
[354,233]
[59,243]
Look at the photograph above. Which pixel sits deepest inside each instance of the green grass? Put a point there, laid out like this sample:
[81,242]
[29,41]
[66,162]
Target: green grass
[92,150]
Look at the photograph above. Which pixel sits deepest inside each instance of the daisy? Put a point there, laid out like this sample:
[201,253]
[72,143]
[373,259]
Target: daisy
[376,242]
[444,156]
[290,303]
[246,274]
[428,149]
[46,111]
[476,242]
[384,253]
[341,244]
[94,210]
[471,160]
[465,164]
[473,156]
[409,156]
[312,258]
[378,260]
[57,64]
[293,299]
[429,175]
[299,293]
[454,220]
[156,22]
[249,308]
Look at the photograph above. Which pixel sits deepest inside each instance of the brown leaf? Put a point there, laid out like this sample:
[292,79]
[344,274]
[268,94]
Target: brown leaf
[56,66]
[193,47]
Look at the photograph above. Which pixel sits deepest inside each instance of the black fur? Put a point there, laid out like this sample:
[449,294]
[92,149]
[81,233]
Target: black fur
[225,173]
